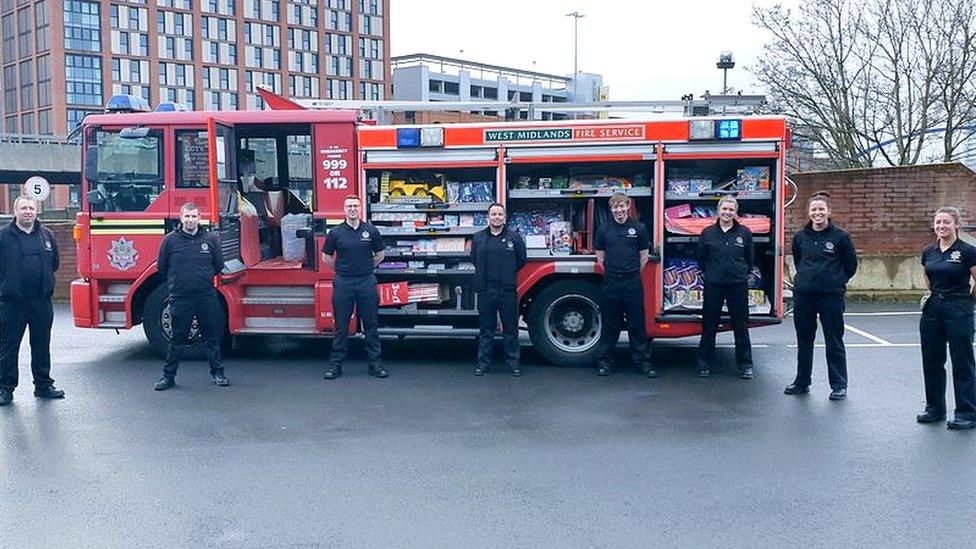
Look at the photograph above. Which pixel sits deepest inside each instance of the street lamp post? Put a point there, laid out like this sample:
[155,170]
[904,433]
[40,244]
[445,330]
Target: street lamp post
[576,17]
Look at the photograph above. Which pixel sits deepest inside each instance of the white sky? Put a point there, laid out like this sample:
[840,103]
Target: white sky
[645,49]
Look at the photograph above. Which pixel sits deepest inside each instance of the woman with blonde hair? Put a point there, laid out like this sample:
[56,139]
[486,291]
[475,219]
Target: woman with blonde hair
[947,319]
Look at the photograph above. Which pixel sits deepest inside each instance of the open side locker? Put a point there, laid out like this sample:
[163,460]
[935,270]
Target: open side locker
[427,216]
[692,189]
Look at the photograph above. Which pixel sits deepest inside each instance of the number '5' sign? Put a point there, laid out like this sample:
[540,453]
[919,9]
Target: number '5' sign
[37,187]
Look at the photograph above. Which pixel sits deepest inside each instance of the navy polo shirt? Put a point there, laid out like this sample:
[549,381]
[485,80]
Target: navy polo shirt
[949,271]
[354,248]
[621,244]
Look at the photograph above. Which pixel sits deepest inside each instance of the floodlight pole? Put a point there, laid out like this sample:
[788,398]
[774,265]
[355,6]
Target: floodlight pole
[576,17]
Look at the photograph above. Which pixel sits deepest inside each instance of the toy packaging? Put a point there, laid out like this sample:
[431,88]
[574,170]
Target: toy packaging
[755,178]
[561,238]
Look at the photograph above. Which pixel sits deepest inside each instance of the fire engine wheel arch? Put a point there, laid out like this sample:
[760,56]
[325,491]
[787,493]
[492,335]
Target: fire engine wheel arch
[564,322]
[156,324]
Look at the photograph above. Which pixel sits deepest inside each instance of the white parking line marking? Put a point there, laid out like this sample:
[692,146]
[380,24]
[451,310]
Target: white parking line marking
[865,345]
[864,334]
[887,313]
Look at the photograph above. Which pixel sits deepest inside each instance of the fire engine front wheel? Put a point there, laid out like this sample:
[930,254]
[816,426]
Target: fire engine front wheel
[564,323]
[158,326]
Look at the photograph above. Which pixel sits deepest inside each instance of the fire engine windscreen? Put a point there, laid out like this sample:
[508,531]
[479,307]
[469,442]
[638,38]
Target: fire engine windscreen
[128,170]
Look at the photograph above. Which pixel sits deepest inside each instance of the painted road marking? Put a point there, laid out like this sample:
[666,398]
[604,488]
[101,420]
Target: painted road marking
[864,334]
[887,313]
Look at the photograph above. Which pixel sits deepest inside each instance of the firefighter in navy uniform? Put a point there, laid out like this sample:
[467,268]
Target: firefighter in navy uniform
[947,318]
[190,258]
[28,260]
[725,257]
[353,249]
[498,253]
[825,260]
[622,247]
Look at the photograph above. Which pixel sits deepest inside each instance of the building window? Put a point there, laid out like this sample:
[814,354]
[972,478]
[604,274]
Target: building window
[43,25]
[143,44]
[27,86]
[124,42]
[134,18]
[170,47]
[44,81]
[44,122]
[116,69]
[83,75]
[9,39]
[24,26]
[81,25]
[232,54]
[113,15]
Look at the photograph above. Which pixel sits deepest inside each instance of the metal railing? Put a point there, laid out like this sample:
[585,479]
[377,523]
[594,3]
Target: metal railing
[39,139]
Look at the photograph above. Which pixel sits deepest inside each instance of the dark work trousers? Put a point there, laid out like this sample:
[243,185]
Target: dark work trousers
[623,296]
[948,320]
[492,303]
[359,292]
[830,308]
[15,317]
[210,319]
[737,297]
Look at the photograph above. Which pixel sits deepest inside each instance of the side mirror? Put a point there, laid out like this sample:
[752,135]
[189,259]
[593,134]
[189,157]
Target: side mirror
[91,165]
[95,198]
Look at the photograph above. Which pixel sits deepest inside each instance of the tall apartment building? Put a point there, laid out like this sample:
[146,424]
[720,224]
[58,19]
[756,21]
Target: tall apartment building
[63,58]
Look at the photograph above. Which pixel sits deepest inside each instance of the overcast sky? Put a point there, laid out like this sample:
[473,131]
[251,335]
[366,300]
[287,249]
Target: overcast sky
[645,49]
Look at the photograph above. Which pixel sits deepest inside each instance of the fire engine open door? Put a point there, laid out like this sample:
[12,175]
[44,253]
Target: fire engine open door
[224,196]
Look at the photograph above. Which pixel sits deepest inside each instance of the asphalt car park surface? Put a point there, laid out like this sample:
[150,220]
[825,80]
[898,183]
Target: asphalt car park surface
[435,457]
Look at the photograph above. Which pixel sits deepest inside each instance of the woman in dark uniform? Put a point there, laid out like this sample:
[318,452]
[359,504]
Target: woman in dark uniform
[947,318]
[825,259]
[725,257]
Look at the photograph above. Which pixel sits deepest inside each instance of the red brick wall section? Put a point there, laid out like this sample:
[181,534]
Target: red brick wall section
[888,211]
[69,263]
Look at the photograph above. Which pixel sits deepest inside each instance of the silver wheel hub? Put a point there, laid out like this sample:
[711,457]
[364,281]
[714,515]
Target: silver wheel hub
[572,323]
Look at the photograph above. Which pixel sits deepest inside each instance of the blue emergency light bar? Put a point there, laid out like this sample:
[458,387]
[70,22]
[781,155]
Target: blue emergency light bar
[127,103]
[728,129]
[408,138]
[170,106]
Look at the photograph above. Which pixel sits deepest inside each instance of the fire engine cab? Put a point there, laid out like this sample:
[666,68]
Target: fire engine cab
[272,183]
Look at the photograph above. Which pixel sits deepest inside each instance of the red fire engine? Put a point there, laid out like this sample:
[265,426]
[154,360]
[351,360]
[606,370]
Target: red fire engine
[273,182]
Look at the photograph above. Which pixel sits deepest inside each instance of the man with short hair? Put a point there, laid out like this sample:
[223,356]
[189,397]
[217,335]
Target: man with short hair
[353,249]
[622,247]
[190,258]
[28,260]
[498,253]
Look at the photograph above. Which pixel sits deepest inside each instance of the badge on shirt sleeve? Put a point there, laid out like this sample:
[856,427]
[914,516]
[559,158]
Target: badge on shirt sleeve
[47,245]
[366,237]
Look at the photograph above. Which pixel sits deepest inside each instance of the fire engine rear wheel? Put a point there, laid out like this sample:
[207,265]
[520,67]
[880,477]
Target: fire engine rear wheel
[158,326]
[564,323]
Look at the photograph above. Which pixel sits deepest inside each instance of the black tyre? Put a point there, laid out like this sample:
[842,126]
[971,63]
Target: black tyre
[564,323]
[156,324]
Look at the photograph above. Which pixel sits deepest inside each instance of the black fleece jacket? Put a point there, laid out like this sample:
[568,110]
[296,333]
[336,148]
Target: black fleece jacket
[28,262]
[824,260]
[190,262]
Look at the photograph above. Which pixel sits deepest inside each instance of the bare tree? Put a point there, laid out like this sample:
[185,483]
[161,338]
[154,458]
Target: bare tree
[879,80]
[956,78]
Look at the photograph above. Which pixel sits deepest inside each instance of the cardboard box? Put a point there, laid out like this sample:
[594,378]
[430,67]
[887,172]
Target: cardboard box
[393,294]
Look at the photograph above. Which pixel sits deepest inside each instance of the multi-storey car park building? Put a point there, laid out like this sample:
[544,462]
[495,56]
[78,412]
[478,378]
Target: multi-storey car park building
[63,58]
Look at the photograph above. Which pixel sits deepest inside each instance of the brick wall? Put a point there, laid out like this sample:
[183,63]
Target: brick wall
[69,263]
[888,211]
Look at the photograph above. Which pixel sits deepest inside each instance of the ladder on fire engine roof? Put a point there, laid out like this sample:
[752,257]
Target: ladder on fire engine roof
[708,104]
